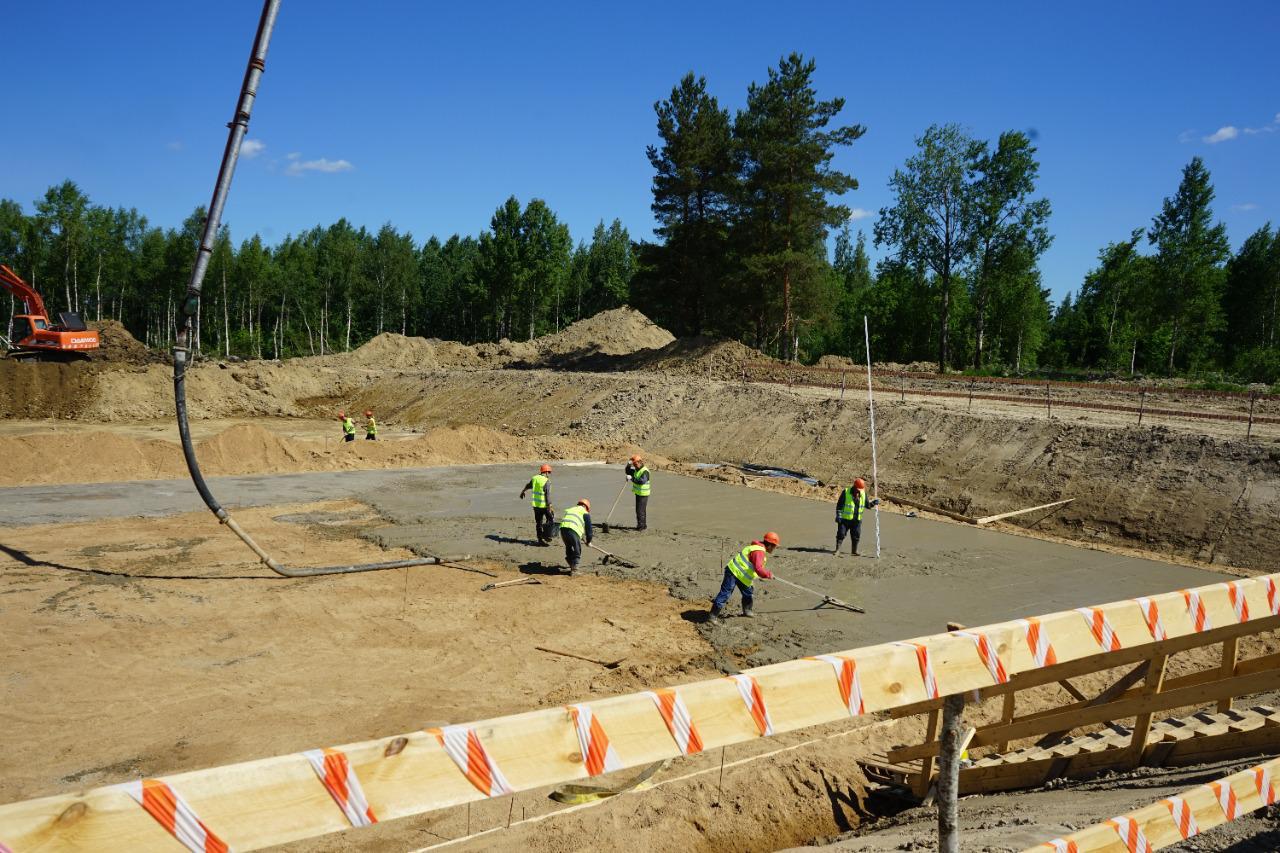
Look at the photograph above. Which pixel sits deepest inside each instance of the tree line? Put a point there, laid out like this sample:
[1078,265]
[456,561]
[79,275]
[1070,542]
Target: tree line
[328,289]
[751,243]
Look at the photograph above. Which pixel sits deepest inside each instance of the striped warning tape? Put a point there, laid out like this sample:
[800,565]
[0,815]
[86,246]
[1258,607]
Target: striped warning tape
[1176,818]
[597,753]
[1196,610]
[340,780]
[989,655]
[1151,615]
[1273,596]
[1038,642]
[1100,627]
[172,812]
[1238,602]
[847,682]
[926,668]
[676,715]
[749,689]
[464,747]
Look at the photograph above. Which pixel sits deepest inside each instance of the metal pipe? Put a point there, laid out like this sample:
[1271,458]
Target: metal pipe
[238,127]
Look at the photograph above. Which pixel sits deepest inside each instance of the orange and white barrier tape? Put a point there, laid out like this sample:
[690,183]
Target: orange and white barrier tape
[848,683]
[1038,642]
[1273,597]
[1196,610]
[1238,602]
[676,715]
[1100,627]
[1262,781]
[988,655]
[1151,615]
[1175,819]
[926,669]
[1131,835]
[464,747]
[175,815]
[749,689]
[597,753]
[340,780]
[1183,817]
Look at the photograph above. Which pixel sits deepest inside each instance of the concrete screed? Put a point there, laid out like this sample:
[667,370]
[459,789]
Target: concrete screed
[929,572]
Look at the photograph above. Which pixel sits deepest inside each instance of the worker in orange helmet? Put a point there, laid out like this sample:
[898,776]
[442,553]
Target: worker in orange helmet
[741,571]
[575,528]
[544,514]
[348,427]
[850,506]
[370,426]
[638,476]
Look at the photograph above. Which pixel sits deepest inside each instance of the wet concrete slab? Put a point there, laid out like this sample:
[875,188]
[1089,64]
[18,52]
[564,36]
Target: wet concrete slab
[929,572]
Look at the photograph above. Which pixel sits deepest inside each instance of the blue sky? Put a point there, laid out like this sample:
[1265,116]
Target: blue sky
[429,115]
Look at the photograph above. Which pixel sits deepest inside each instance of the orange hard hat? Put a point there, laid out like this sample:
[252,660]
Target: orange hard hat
[342,415]
[585,504]
[771,538]
[545,469]
[859,483]
[368,413]
[637,458]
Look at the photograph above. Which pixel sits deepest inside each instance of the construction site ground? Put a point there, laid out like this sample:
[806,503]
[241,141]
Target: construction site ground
[114,671]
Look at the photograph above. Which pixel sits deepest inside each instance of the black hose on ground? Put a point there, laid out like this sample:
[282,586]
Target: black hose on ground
[238,128]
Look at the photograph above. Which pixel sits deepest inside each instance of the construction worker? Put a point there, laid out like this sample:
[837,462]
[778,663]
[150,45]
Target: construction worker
[638,475]
[544,515]
[370,426]
[741,571]
[850,506]
[575,528]
[348,427]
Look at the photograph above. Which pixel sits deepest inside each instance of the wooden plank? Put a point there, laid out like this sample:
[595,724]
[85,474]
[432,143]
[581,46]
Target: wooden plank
[1142,724]
[1186,697]
[275,800]
[1006,717]
[991,518]
[1158,823]
[1118,688]
[925,777]
[1026,677]
[1230,651]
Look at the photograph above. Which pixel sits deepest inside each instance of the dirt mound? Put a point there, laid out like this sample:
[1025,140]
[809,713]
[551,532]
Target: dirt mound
[247,448]
[397,351]
[701,356]
[118,346]
[84,458]
[621,331]
[45,389]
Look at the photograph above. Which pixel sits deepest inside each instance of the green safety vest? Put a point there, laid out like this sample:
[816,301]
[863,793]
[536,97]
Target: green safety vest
[371,427]
[852,509]
[573,519]
[640,490]
[348,426]
[539,491]
[741,566]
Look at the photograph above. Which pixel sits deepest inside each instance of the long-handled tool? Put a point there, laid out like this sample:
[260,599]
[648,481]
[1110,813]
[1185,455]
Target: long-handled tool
[490,586]
[614,557]
[607,664]
[826,599]
[605,525]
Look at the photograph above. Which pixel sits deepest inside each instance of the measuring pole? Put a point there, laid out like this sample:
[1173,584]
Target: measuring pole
[871,404]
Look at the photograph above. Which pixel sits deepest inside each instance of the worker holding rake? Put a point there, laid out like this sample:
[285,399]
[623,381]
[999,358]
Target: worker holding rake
[638,475]
[348,427]
[370,426]
[850,506]
[741,571]
[575,528]
[544,514]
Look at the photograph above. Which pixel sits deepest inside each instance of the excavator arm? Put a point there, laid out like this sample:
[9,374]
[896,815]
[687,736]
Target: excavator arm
[13,283]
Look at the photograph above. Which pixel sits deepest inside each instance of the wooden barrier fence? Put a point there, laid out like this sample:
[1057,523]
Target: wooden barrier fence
[285,798]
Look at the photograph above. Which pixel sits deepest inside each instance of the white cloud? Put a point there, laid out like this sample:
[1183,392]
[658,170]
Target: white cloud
[1248,205]
[176,145]
[292,155]
[859,213]
[1222,134]
[323,165]
[251,148]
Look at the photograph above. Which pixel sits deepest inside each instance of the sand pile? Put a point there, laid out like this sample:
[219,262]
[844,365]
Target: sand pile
[397,351]
[247,448]
[117,345]
[700,356]
[86,458]
[621,331]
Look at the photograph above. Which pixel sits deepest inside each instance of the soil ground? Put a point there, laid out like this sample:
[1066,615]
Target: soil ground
[115,672]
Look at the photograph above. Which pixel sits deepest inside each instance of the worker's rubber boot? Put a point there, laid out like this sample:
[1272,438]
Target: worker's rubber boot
[717,612]
[573,569]
[747,613]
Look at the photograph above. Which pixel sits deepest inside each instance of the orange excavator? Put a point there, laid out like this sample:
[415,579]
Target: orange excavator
[34,336]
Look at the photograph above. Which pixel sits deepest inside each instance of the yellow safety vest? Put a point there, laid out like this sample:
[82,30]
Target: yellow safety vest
[348,426]
[539,491]
[741,566]
[640,490]
[573,519]
[853,509]
[371,427]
